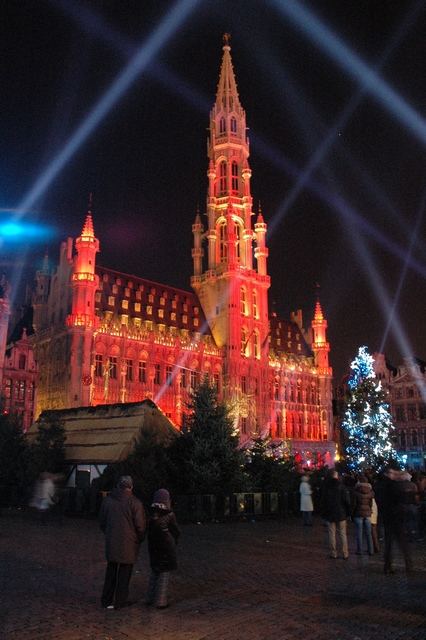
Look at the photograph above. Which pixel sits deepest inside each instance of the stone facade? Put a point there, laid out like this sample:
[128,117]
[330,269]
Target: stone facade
[105,337]
[406,385]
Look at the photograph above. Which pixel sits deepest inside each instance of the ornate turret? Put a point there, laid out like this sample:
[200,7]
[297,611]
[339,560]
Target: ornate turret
[320,346]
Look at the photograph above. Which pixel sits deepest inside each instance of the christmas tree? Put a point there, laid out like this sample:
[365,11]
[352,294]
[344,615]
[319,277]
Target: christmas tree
[368,423]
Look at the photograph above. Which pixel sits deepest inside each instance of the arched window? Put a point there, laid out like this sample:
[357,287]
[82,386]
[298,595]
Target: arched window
[22,361]
[243,301]
[233,125]
[256,347]
[222,125]
[255,309]
[222,243]
[222,178]
[234,174]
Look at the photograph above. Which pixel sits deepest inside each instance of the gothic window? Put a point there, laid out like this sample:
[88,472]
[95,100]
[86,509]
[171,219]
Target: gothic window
[99,369]
[21,392]
[234,176]
[169,374]
[129,370]
[222,178]
[142,371]
[237,230]
[243,384]
[216,382]
[243,341]
[255,308]
[276,390]
[22,361]
[279,425]
[222,125]
[243,301]
[222,243]
[113,368]
[411,412]
[233,125]
[157,373]
[256,347]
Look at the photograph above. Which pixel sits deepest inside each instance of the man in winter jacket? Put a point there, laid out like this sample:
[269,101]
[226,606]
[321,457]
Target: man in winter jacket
[335,508]
[122,519]
[398,496]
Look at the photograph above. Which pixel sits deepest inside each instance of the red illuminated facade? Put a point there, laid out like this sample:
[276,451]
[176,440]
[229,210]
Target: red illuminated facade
[104,337]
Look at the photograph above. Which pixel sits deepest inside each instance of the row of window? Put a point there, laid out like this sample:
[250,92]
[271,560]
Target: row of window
[409,412]
[232,124]
[245,303]
[222,183]
[19,390]
[294,393]
[412,438]
[137,371]
[124,318]
[401,392]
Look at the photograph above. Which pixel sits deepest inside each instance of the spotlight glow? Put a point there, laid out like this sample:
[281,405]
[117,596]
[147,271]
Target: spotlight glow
[168,26]
[343,56]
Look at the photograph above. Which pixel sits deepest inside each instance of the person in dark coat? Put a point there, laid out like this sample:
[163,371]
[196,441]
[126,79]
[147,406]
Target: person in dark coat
[335,508]
[163,534]
[398,495]
[363,501]
[122,519]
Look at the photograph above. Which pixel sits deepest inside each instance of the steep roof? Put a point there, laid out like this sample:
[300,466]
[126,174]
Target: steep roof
[149,300]
[107,433]
[287,337]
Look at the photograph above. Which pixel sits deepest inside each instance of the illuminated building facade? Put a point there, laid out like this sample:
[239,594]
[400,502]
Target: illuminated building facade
[406,384]
[18,369]
[104,337]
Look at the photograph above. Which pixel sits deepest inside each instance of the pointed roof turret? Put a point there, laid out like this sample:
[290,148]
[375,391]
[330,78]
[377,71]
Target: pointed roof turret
[45,264]
[227,92]
[318,315]
[88,231]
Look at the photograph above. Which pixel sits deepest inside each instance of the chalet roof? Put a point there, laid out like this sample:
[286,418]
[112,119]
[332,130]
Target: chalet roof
[136,297]
[107,433]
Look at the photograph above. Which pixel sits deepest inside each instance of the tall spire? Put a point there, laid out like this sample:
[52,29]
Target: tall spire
[88,231]
[227,93]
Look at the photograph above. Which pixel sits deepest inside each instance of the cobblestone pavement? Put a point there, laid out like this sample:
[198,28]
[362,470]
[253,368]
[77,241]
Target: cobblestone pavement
[248,580]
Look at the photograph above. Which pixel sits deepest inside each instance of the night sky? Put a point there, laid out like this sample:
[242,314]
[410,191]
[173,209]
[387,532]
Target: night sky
[356,220]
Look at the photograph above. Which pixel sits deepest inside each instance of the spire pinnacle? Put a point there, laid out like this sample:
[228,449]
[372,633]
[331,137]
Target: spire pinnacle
[88,231]
[227,93]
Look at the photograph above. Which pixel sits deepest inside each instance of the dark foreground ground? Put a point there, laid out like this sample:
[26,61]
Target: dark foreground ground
[254,581]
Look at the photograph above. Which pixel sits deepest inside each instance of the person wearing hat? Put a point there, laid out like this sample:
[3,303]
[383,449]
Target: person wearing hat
[163,534]
[122,519]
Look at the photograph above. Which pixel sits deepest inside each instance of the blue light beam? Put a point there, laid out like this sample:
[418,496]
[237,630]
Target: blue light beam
[172,21]
[343,56]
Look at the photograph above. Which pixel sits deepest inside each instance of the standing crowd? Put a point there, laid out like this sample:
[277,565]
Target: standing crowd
[391,507]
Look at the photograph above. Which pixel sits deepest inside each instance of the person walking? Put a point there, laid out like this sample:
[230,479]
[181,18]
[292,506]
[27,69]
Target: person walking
[163,534]
[363,499]
[306,504]
[374,528]
[122,519]
[335,508]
